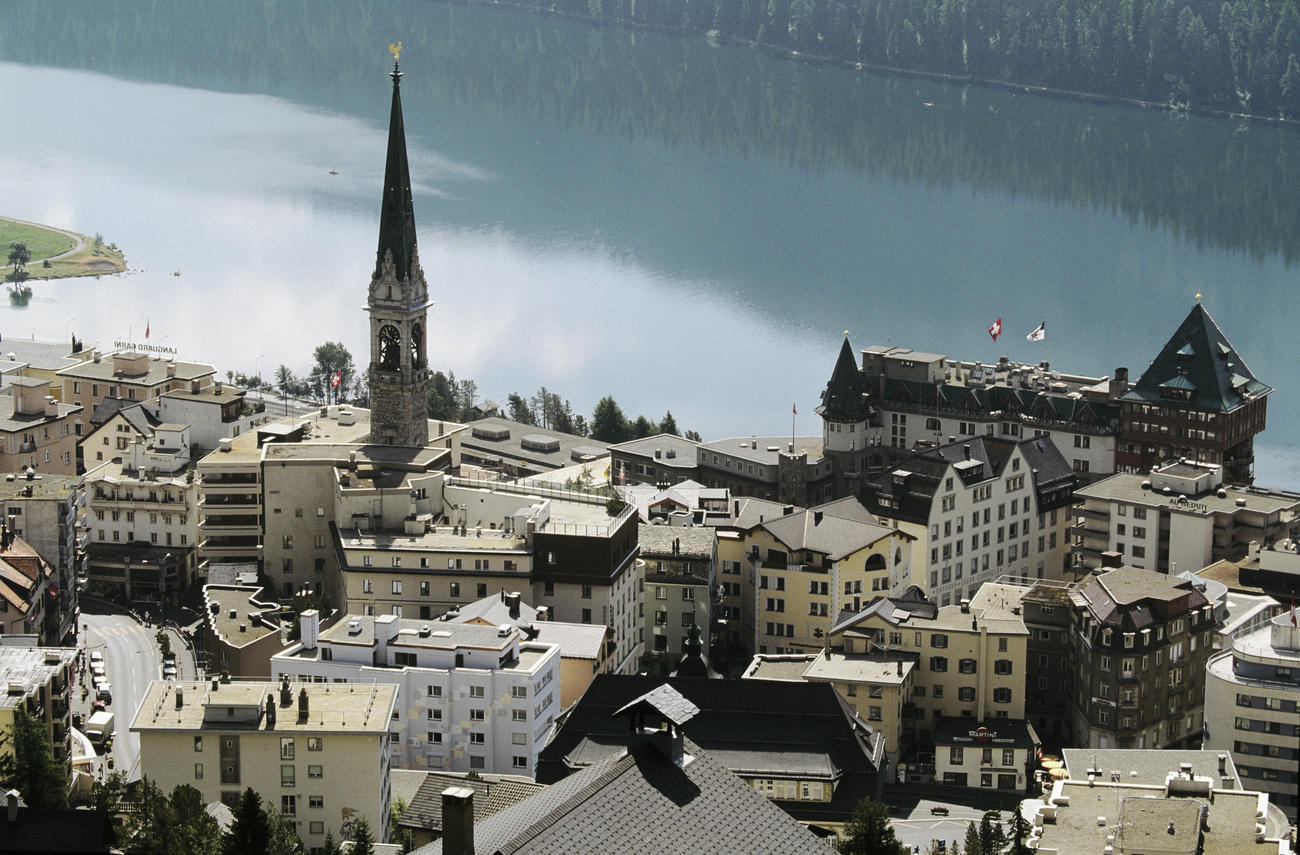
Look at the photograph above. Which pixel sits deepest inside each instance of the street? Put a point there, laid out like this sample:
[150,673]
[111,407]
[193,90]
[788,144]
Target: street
[921,827]
[132,660]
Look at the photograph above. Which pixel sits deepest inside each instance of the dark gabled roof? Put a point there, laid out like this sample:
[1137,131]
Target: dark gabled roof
[663,700]
[1198,361]
[845,395]
[135,413]
[754,724]
[397,212]
[55,831]
[492,793]
[643,802]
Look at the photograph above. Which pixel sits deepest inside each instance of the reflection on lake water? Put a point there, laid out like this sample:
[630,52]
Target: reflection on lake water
[607,212]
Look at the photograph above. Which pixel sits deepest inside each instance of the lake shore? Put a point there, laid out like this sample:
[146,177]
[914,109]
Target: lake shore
[59,253]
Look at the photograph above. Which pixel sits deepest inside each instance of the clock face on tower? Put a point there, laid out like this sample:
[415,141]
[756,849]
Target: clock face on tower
[390,347]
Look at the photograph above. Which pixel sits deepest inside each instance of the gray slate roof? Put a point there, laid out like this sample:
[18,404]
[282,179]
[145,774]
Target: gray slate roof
[643,802]
[666,701]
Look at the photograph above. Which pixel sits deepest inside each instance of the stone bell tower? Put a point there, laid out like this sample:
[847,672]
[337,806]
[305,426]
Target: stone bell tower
[398,302]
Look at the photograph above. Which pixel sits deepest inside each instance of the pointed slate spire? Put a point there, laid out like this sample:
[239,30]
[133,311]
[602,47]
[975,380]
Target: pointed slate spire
[1198,367]
[845,395]
[397,214]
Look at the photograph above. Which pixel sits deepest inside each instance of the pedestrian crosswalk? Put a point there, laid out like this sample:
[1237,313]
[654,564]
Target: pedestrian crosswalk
[120,631]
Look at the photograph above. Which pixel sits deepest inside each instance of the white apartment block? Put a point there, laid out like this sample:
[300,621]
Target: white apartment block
[142,519]
[1252,708]
[979,509]
[470,697]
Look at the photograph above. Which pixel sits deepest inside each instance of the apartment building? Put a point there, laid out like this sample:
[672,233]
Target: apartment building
[317,751]
[806,566]
[969,658]
[989,755]
[36,431]
[1139,642]
[1252,693]
[46,511]
[213,413]
[38,680]
[1180,517]
[978,509]
[142,519]
[460,539]
[469,697]
[114,426]
[878,688]
[132,375]
[680,566]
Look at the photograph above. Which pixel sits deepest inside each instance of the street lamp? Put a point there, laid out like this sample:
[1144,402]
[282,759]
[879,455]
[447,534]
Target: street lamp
[257,376]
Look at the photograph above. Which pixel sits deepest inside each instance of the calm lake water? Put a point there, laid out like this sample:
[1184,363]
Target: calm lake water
[683,226]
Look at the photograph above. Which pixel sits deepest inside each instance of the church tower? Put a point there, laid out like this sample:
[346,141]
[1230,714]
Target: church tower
[846,412]
[397,303]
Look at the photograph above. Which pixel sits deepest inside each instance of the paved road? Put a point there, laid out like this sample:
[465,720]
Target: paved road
[132,661]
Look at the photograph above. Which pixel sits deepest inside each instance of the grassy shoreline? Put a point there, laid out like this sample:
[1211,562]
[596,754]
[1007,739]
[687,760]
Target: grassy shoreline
[59,253]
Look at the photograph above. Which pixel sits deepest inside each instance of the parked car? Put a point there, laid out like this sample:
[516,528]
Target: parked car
[97,669]
[96,656]
[105,692]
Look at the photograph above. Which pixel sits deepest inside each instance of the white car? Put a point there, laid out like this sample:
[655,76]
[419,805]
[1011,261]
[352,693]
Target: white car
[97,669]
[96,656]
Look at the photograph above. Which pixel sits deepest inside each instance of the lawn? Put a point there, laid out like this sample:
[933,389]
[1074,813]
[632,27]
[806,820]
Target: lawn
[91,260]
[41,242]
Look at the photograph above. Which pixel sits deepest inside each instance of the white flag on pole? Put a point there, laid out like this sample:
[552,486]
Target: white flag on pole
[1039,332]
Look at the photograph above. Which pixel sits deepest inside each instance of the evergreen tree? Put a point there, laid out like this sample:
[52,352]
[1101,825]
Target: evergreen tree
[331,846]
[27,764]
[1020,831]
[642,427]
[250,833]
[284,838]
[993,839]
[868,832]
[973,845]
[332,358]
[402,836]
[517,410]
[363,842]
[669,424]
[608,424]
[191,829]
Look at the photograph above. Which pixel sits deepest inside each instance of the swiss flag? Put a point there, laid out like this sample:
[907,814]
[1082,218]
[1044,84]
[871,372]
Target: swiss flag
[336,379]
[996,329]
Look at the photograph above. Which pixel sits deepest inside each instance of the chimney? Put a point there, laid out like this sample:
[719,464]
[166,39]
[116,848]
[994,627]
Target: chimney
[900,667]
[512,600]
[309,628]
[302,705]
[817,517]
[270,712]
[286,693]
[966,449]
[180,697]
[11,802]
[458,821]
[1223,764]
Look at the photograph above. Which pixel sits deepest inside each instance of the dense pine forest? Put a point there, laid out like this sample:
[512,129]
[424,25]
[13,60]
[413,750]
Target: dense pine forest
[1237,56]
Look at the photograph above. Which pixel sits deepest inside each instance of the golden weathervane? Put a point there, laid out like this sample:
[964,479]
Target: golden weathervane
[396,51]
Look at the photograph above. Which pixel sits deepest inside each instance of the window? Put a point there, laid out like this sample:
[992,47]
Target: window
[475,761]
[1002,696]
[938,640]
[586,592]
[519,715]
[476,691]
[424,589]
[965,693]
[956,755]
[938,663]
[477,738]
[316,802]
[198,743]
[289,805]
[1002,666]
[397,586]
[314,743]
[198,771]
[433,715]
[287,776]
[286,748]
[476,715]
[586,617]
[455,589]
[367,586]
[315,772]
[966,666]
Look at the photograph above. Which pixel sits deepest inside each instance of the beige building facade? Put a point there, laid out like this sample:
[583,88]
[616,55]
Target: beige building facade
[318,752]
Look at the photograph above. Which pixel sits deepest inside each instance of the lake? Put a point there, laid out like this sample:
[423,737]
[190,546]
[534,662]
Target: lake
[681,225]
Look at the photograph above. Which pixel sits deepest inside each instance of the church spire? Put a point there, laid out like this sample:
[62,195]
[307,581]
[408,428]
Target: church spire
[397,215]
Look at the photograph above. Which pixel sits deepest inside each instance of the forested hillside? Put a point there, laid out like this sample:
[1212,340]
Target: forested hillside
[1236,56]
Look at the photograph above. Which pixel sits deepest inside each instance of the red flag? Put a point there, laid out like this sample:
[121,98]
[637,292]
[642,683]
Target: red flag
[336,380]
[996,329]
[1293,623]
[146,327]
[794,408]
